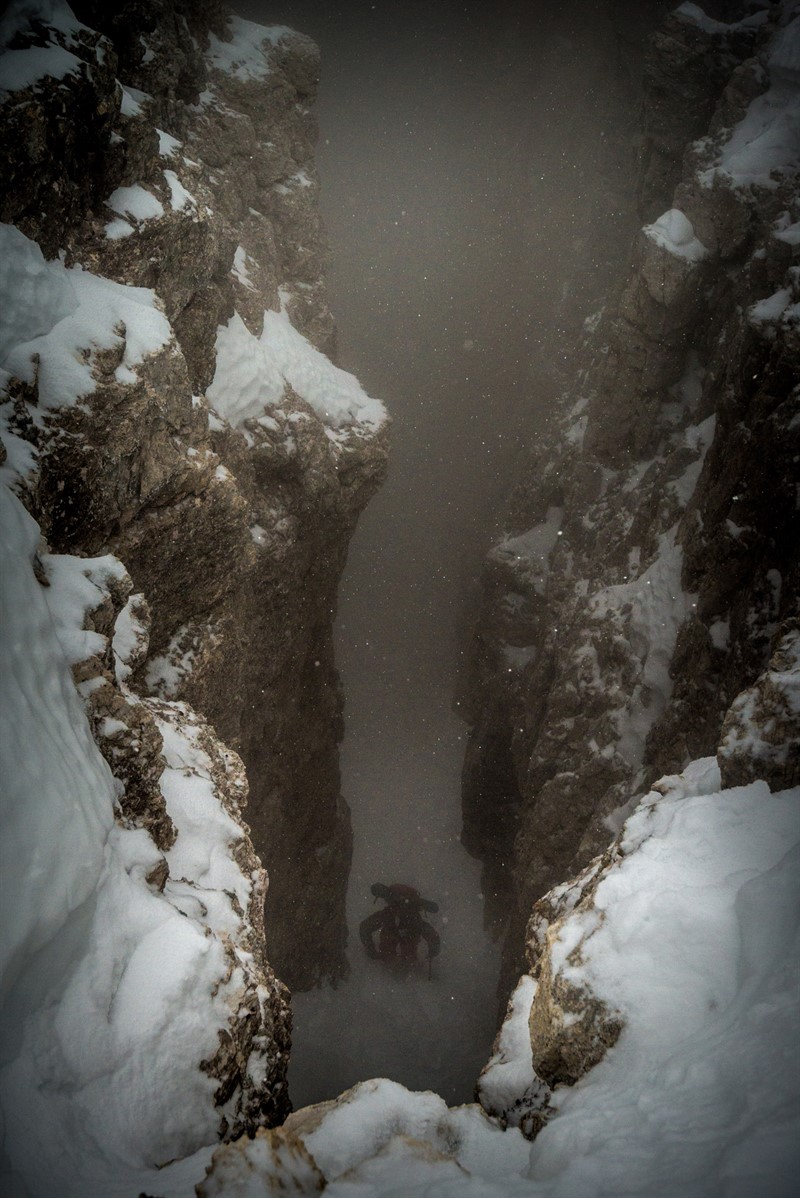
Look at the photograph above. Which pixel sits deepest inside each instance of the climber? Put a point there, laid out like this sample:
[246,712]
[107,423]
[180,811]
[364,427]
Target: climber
[400,926]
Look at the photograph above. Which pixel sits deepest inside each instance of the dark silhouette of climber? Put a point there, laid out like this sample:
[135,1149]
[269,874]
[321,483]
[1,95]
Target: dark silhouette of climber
[399,925]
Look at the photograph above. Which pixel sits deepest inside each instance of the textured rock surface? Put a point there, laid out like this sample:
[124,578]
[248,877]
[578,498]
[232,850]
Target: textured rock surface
[651,550]
[184,164]
[761,731]
[160,178]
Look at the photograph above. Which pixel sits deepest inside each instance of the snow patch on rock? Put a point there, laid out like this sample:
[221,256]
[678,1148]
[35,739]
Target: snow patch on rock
[674,233]
[50,315]
[766,142]
[243,55]
[252,373]
[651,608]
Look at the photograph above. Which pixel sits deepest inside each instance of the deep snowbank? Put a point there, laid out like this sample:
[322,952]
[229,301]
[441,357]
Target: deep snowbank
[122,964]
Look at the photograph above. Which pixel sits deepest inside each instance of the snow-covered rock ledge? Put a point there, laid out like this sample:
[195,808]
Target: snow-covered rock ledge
[673,961]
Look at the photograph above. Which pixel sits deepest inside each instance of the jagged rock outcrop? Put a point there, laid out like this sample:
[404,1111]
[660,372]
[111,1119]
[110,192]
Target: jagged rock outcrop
[192,466]
[221,457]
[650,559]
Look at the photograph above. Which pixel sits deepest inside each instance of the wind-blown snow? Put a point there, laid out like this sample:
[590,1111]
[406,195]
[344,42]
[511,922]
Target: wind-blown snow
[243,56]
[252,372]
[55,14]
[49,315]
[34,294]
[767,139]
[24,68]
[28,67]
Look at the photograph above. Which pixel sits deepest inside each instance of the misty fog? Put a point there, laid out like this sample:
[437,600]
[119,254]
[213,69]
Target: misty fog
[476,166]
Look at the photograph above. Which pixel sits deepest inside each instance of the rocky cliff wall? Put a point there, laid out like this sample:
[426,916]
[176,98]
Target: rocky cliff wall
[162,147]
[194,465]
[649,567]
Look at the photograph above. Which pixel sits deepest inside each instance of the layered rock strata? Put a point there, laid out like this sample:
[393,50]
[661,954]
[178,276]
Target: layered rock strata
[649,568]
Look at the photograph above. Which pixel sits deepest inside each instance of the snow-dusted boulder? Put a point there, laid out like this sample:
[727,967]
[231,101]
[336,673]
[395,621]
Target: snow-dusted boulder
[272,1162]
[377,1139]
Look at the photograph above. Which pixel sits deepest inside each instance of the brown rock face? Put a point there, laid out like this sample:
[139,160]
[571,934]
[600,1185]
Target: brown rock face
[651,550]
[571,1029]
[761,732]
[176,154]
